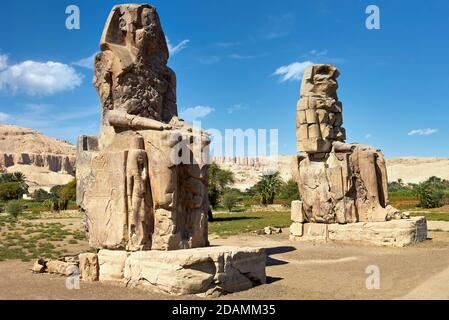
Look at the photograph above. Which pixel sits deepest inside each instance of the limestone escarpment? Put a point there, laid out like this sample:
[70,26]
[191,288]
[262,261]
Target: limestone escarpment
[45,161]
[51,162]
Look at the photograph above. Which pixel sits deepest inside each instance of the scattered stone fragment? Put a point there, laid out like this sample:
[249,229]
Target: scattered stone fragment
[272,230]
[39,266]
[89,267]
[59,267]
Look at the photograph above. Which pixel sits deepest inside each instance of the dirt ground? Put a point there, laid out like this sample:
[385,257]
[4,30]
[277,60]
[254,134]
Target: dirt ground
[294,270]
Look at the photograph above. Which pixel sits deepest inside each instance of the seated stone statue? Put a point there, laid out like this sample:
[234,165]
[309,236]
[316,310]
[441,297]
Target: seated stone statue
[338,182]
[143,182]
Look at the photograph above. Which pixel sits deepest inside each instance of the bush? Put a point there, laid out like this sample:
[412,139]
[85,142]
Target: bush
[429,195]
[10,191]
[41,195]
[289,191]
[14,208]
[230,200]
[68,192]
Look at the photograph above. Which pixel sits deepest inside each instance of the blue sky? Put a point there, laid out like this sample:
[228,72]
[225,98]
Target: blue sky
[394,83]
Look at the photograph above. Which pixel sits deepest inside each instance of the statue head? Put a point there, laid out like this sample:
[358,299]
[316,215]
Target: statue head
[136,27]
[319,113]
[320,79]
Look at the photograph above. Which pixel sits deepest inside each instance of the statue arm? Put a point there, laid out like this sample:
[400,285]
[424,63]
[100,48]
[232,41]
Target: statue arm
[122,119]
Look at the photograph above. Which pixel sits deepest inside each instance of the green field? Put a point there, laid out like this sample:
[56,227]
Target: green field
[227,224]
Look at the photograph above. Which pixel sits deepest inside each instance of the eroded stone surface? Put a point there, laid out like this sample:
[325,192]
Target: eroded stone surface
[111,264]
[89,267]
[150,194]
[194,271]
[59,267]
[182,272]
[338,182]
[396,233]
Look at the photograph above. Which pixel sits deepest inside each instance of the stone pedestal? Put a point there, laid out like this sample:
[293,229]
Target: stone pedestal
[182,272]
[396,233]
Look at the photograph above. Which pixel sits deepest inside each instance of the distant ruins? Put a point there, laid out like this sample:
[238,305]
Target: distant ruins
[340,184]
[143,183]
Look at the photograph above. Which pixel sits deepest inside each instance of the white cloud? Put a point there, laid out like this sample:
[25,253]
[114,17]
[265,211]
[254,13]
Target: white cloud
[240,57]
[227,44]
[368,136]
[177,48]
[39,78]
[4,117]
[422,132]
[292,72]
[87,63]
[318,53]
[236,108]
[280,26]
[209,60]
[195,113]
[3,61]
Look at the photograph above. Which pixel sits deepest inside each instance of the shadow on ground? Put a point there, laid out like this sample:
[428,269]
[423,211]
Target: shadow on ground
[277,250]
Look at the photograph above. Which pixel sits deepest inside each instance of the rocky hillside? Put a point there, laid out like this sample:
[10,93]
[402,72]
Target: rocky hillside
[410,169]
[45,161]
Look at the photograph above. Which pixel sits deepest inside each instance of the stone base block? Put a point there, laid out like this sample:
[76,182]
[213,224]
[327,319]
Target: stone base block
[182,272]
[396,233]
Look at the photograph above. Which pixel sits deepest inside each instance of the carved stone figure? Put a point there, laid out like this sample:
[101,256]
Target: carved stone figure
[338,182]
[143,183]
[131,73]
[162,201]
[140,211]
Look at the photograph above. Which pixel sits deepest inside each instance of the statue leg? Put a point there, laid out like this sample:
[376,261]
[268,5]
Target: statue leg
[372,174]
[163,180]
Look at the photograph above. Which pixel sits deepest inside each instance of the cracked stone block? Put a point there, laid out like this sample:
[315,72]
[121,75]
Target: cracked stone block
[296,229]
[89,268]
[395,233]
[196,271]
[112,264]
[316,230]
[298,214]
[58,267]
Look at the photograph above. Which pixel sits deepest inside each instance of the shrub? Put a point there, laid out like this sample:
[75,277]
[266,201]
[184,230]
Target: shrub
[10,191]
[289,191]
[429,195]
[230,200]
[41,195]
[14,208]
[66,194]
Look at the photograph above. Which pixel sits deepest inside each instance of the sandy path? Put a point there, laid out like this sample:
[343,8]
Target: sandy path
[295,271]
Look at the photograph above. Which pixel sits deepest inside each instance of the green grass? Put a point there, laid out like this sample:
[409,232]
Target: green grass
[431,216]
[25,241]
[227,224]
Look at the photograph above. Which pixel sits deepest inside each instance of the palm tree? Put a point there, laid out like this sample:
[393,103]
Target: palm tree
[268,186]
[16,177]
[20,178]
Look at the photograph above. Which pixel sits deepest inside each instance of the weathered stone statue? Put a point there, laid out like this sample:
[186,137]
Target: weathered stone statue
[339,183]
[143,183]
[138,96]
